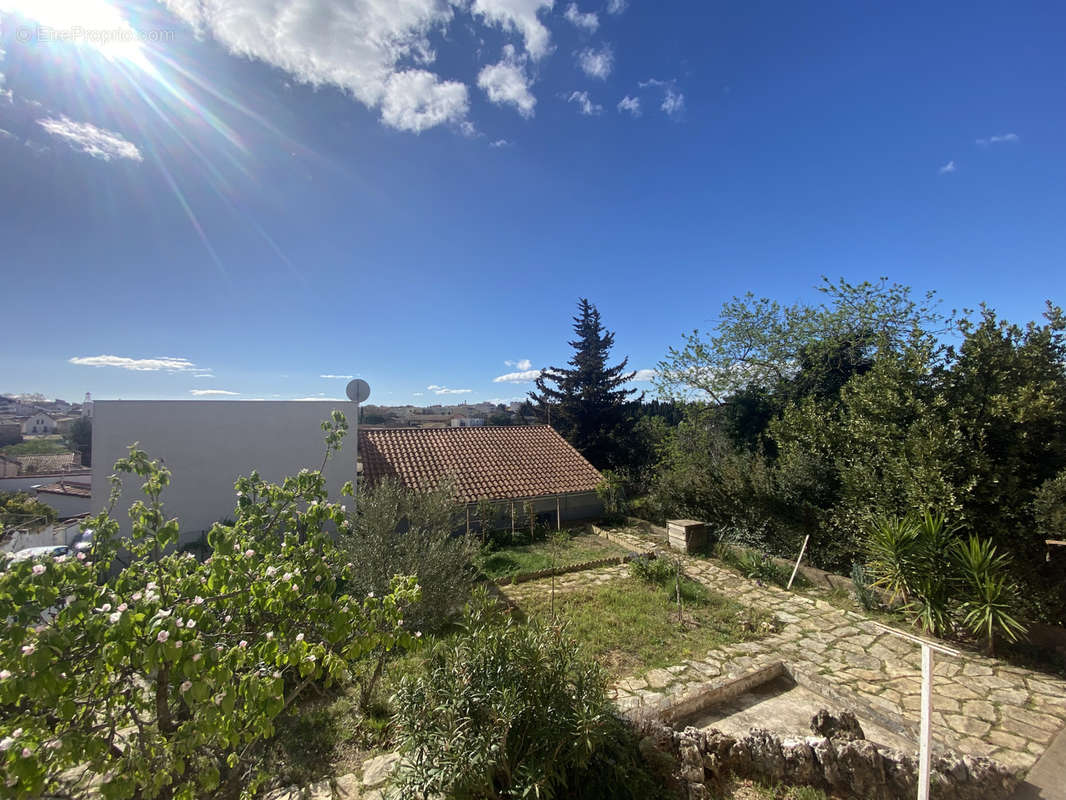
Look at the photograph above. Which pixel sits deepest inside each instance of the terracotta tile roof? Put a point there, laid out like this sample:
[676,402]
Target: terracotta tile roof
[56,463]
[493,463]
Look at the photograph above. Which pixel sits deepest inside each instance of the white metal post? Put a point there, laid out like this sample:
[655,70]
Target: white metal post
[925,741]
[925,736]
[795,569]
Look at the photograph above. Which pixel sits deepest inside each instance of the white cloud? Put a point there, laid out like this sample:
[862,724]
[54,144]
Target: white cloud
[949,167]
[645,375]
[87,138]
[519,16]
[338,377]
[204,375]
[630,104]
[596,63]
[522,363]
[445,390]
[673,102]
[416,100]
[164,363]
[506,82]
[6,134]
[588,21]
[211,392]
[499,143]
[4,93]
[417,394]
[616,6]
[354,45]
[585,104]
[318,398]
[1000,139]
[518,377]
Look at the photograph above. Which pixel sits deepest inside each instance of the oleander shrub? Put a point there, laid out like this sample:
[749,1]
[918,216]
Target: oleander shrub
[510,710]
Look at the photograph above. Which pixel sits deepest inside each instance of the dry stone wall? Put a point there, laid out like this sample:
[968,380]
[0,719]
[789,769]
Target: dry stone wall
[845,767]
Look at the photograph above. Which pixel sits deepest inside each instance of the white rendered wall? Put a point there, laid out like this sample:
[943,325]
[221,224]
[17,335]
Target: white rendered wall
[66,505]
[208,444]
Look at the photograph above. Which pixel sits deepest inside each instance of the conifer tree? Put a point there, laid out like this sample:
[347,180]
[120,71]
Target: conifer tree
[586,402]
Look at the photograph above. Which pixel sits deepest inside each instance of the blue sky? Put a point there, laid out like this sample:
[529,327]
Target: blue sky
[243,196]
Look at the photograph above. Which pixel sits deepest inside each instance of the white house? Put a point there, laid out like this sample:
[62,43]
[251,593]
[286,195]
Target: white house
[208,444]
[39,423]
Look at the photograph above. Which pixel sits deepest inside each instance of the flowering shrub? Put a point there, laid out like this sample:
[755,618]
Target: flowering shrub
[161,679]
[505,710]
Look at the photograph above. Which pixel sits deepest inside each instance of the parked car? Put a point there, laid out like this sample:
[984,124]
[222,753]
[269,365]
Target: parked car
[29,553]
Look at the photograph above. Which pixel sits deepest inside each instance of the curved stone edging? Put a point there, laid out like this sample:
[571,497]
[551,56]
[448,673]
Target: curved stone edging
[525,577]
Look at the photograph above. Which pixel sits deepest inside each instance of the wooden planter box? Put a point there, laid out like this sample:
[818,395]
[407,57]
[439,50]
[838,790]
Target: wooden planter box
[686,535]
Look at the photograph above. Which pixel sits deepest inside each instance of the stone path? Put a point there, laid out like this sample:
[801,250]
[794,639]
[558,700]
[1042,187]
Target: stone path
[568,582]
[982,706]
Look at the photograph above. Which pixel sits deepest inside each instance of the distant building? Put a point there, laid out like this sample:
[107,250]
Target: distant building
[508,465]
[467,422]
[68,498]
[16,407]
[10,433]
[39,423]
[9,467]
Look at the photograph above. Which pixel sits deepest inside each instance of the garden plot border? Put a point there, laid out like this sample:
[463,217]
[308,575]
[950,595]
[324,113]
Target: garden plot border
[609,561]
[982,706]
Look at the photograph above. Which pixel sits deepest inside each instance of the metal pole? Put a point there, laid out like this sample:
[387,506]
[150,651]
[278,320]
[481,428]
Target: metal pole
[467,519]
[558,514]
[795,569]
[926,740]
[512,520]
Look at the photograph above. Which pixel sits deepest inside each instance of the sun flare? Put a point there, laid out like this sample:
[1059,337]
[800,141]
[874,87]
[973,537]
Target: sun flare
[94,23]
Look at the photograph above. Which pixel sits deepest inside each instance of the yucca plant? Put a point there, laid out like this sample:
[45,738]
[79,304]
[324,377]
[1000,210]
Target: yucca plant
[864,591]
[892,547]
[989,595]
[930,603]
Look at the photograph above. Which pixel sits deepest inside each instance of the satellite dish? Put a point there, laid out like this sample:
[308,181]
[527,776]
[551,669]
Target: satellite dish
[358,390]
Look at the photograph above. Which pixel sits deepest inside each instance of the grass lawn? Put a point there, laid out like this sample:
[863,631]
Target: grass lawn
[631,626]
[578,548]
[36,447]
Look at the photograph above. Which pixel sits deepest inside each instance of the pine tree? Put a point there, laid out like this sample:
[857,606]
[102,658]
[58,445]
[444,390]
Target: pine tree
[587,403]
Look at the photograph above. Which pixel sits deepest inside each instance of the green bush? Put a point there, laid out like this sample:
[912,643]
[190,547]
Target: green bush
[166,679]
[1050,508]
[759,566]
[508,710]
[400,532]
[652,570]
[18,510]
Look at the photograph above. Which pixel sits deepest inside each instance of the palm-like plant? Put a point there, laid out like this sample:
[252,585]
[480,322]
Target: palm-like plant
[892,545]
[989,594]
